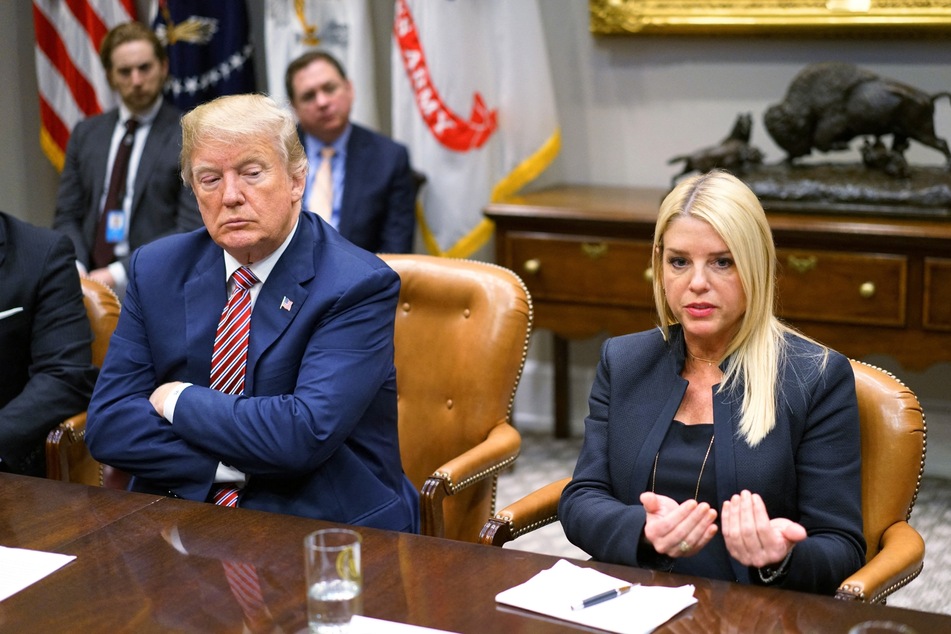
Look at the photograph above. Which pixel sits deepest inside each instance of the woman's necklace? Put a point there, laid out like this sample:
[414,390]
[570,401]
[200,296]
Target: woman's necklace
[709,362]
[703,466]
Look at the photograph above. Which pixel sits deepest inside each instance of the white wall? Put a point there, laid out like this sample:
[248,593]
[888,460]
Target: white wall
[627,104]
[27,180]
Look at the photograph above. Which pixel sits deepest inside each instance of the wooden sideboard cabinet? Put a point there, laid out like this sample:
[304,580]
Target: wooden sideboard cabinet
[859,284]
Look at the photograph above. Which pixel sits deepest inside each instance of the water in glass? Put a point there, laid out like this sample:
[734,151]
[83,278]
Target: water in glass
[331,604]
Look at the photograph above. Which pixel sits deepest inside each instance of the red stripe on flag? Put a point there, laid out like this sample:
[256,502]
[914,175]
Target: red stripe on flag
[93,25]
[49,41]
[53,125]
[129,7]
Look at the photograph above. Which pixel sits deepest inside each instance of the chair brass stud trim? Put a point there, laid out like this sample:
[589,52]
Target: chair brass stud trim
[924,444]
[901,583]
[533,526]
[475,477]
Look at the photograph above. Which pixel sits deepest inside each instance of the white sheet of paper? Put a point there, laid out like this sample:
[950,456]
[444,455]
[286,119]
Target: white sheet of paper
[552,592]
[21,568]
[365,625]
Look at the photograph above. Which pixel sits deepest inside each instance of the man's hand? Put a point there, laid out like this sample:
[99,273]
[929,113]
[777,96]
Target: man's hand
[157,399]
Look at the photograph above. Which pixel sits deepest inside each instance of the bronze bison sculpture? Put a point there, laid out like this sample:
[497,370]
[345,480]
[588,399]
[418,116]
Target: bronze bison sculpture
[829,104]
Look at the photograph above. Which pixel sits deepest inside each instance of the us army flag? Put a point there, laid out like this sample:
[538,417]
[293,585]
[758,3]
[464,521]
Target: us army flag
[473,100]
[340,27]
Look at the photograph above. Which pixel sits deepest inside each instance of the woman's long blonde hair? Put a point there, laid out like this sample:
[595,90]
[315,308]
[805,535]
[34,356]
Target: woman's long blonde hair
[732,209]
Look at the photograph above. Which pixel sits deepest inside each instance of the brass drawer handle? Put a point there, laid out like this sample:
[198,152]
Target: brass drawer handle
[594,250]
[802,264]
[867,290]
[532,266]
[649,275]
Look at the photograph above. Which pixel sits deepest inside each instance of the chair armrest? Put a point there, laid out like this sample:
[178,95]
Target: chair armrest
[538,508]
[900,560]
[485,460]
[67,458]
[496,452]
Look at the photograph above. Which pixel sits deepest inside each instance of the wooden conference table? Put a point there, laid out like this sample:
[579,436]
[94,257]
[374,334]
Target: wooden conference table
[152,564]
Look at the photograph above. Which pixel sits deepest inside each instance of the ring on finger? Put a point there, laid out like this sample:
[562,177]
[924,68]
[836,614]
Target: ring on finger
[684,546]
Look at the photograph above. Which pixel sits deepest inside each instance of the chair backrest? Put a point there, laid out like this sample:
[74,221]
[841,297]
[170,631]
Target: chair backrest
[67,457]
[893,450]
[102,308]
[461,337]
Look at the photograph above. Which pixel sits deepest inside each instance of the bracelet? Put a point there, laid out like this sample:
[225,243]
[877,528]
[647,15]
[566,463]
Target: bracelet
[773,575]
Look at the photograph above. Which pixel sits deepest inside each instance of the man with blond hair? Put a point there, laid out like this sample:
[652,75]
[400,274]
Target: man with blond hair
[285,400]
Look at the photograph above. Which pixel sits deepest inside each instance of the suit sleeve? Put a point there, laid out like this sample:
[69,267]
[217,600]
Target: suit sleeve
[61,374]
[347,361]
[400,226]
[124,430]
[828,472]
[72,197]
[593,518]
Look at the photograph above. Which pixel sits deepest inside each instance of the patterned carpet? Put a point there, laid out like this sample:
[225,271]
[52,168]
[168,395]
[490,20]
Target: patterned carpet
[545,459]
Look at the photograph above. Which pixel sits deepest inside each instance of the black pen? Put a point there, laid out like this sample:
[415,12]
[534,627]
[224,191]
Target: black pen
[601,598]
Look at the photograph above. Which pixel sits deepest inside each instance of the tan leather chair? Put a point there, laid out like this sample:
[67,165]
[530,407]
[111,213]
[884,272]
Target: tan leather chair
[67,458]
[893,459]
[462,332]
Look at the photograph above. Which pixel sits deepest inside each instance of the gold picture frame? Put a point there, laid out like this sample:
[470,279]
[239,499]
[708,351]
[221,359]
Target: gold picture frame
[792,17]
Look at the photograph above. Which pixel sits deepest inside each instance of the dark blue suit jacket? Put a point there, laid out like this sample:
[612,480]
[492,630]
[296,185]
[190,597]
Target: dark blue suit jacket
[161,203]
[316,428]
[807,469]
[378,207]
[46,373]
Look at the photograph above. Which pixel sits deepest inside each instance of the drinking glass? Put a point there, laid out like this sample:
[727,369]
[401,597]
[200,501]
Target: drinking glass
[334,579]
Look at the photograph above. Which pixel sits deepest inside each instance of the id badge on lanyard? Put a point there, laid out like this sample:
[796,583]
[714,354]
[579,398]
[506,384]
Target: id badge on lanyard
[115,226]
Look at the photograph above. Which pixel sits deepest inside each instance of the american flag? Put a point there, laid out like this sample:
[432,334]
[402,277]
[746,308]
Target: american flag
[72,83]
[286,304]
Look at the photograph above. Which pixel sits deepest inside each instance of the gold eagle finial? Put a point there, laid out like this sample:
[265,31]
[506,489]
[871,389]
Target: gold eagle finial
[194,30]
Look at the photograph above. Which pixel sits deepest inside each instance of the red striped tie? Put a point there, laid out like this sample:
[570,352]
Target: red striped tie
[246,587]
[230,355]
[231,341]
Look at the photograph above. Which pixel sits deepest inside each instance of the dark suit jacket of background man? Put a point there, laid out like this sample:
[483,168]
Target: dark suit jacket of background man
[161,204]
[318,435]
[378,208]
[46,374]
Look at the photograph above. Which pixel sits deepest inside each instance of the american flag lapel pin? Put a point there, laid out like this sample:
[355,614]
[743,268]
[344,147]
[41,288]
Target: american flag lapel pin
[286,304]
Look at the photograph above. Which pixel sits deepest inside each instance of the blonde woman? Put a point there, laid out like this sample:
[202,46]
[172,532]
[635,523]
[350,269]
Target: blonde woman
[722,444]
